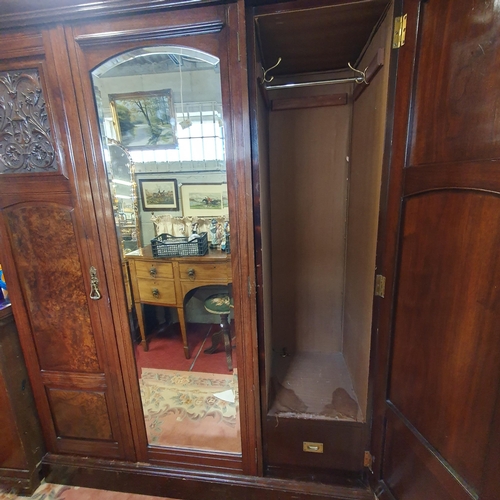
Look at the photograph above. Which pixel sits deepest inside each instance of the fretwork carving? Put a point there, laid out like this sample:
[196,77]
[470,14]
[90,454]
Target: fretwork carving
[25,139]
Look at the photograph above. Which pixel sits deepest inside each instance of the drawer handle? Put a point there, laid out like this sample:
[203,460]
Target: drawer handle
[95,294]
[312,447]
[153,271]
[191,273]
[156,293]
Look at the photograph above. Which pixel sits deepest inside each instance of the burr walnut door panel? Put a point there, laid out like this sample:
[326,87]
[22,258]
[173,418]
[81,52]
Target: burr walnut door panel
[441,408]
[51,256]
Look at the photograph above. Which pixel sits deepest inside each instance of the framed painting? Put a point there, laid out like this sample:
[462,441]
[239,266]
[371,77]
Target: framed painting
[159,194]
[144,120]
[204,200]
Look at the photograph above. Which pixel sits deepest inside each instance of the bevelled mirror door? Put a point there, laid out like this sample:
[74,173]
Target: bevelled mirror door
[160,114]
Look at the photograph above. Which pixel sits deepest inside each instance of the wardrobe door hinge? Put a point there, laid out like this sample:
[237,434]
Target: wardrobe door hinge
[379,286]
[368,461]
[399,37]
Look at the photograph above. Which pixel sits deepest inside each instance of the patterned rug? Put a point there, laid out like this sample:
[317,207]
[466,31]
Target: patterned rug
[191,409]
[48,491]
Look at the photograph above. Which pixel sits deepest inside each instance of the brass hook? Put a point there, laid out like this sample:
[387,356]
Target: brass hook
[266,71]
[362,74]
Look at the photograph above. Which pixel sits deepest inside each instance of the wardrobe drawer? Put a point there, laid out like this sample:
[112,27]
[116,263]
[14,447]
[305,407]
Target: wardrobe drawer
[151,269]
[213,271]
[156,291]
[315,444]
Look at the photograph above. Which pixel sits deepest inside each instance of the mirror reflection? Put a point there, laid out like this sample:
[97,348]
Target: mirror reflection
[160,114]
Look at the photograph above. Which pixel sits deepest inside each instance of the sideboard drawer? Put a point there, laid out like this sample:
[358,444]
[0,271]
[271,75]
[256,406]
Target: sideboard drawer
[159,291]
[151,269]
[214,272]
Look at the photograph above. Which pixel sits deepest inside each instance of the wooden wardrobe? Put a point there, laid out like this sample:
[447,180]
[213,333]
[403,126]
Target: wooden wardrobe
[365,227]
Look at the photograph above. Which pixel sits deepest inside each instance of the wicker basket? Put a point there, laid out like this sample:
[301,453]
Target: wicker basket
[166,245]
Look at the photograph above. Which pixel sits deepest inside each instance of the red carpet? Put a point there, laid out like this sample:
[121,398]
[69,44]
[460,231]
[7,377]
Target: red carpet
[166,350]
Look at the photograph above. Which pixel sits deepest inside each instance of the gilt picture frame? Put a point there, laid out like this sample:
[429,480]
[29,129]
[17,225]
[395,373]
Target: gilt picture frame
[158,195]
[144,120]
[204,200]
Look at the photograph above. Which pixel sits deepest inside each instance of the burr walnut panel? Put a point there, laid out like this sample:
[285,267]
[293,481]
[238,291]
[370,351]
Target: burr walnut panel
[45,250]
[79,414]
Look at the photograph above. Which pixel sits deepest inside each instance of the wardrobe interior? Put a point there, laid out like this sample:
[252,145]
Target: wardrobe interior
[318,157]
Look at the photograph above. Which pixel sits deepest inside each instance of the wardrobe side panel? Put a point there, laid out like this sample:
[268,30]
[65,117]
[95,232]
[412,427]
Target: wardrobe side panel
[308,149]
[367,151]
[265,228]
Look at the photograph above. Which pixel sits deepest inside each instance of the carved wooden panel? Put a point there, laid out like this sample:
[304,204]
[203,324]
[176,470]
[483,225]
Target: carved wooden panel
[26,144]
[446,343]
[79,414]
[44,246]
[457,106]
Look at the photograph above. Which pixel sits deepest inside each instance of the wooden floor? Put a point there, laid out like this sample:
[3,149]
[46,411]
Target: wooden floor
[58,492]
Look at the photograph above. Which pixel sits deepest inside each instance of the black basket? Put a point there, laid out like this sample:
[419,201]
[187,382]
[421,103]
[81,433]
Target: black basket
[166,245]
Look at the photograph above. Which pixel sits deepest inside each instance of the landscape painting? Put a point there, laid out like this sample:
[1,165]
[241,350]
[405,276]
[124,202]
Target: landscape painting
[144,120]
[159,194]
[203,200]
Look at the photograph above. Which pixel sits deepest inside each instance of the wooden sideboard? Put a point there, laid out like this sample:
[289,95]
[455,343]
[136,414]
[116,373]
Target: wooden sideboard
[167,282]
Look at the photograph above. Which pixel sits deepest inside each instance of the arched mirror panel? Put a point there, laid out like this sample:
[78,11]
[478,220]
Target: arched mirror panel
[161,123]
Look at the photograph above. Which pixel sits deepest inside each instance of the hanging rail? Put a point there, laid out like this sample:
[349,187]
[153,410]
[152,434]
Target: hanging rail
[359,78]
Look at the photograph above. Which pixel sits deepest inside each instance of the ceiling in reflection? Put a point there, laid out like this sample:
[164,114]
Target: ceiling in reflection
[157,63]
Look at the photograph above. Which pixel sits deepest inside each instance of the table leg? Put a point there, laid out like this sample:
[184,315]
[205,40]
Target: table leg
[182,322]
[227,340]
[140,321]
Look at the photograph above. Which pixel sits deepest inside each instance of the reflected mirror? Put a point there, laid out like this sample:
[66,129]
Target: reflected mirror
[160,114]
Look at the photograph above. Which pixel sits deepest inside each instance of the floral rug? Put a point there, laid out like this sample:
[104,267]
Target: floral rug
[48,491]
[191,409]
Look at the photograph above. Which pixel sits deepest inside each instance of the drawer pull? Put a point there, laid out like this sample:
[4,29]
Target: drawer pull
[153,271]
[95,294]
[312,447]
[156,293]
[191,273]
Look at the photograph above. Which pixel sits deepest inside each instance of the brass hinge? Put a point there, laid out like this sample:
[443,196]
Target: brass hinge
[379,286]
[399,37]
[368,461]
